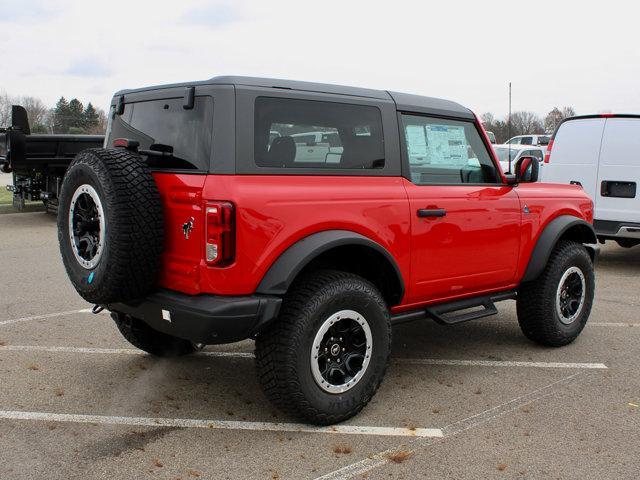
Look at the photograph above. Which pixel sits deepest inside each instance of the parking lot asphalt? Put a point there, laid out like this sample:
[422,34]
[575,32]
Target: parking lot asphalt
[476,400]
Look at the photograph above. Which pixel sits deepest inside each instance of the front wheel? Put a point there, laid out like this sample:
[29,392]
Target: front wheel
[325,357]
[554,308]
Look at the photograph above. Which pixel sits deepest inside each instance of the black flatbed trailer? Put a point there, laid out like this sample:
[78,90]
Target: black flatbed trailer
[38,162]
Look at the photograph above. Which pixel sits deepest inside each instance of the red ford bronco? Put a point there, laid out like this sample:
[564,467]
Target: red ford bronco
[311,218]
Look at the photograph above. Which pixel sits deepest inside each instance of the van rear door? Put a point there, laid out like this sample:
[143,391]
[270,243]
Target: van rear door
[574,154]
[619,173]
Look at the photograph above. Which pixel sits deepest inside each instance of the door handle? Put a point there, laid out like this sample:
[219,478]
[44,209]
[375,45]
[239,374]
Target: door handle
[431,212]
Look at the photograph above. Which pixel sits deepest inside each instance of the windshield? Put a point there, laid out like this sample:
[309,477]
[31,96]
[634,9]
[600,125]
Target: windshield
[503,153]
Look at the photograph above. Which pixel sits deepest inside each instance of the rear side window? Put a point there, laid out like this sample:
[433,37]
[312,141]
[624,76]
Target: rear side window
[164,125]
[291,133]
[446,152]
[526,141]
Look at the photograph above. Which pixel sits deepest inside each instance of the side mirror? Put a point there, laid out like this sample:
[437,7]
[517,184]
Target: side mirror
[527,169]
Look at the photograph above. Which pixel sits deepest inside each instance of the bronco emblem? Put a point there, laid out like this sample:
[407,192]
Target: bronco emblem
[187,227]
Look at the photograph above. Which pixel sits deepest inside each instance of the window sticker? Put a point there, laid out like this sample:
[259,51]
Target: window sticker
[446,144]
[416,144]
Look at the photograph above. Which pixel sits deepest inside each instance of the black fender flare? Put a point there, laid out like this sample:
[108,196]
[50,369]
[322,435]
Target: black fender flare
[582,232]
[284,270]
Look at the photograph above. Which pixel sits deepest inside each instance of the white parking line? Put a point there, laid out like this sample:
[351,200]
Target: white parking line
[382,458]
[411,361]
[46,315]
[613,324]
[498,363]
[109,351]
[220,424]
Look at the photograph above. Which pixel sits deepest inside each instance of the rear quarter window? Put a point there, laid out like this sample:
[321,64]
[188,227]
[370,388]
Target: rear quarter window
[293,133]
[158,124]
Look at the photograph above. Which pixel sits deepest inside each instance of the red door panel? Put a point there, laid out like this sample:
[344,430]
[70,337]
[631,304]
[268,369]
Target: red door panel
[470,247]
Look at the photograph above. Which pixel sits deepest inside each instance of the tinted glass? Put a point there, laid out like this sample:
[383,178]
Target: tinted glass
[313,134]
[186,134]
[446,152]
[526,141]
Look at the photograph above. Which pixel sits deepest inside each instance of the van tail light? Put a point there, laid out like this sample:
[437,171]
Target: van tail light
[547,154]
[220,248]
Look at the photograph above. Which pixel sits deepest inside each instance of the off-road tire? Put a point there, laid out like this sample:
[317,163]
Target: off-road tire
[283,352]
[536,301]
[130,259]
[142,336]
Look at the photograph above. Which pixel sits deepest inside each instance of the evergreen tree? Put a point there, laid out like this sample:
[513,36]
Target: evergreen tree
[91,118]
[61,116]
[76,114]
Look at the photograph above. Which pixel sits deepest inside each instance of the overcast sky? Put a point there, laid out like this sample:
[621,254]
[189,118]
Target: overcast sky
[554,52]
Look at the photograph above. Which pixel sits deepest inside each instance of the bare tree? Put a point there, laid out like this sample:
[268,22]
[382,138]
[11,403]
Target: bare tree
[523,123]
[498,127]
[5,109]
[555,116]
[37,111]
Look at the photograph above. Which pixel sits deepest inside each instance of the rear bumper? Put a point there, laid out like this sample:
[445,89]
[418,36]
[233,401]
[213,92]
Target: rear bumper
[207,319]
[613,229]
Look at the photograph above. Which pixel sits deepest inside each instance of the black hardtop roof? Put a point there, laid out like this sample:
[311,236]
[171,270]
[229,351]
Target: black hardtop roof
[404,101]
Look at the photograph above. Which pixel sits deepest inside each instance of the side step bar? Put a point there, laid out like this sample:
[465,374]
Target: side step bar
[445,313]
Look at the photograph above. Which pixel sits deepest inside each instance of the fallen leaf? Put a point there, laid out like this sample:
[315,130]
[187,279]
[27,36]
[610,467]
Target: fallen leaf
[58,391]
[502,466]
[400,456]
[158,463]
[342,448]
[33,366]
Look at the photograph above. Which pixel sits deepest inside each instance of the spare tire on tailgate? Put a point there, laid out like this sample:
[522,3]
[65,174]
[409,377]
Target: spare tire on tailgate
[110,226]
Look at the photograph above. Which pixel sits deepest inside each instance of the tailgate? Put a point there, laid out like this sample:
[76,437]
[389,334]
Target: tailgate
[181,196]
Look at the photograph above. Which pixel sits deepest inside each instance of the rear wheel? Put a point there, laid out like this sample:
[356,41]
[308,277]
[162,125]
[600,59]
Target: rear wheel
[325,357]
[142,336]
[554,308]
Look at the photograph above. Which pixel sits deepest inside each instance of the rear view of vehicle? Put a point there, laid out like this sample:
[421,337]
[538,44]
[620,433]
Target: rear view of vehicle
[600,152]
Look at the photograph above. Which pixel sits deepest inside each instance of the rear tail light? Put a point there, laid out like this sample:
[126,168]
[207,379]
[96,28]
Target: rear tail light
[220,233]
[547,154]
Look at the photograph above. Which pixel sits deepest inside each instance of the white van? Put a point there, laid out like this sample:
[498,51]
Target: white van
[601,153]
